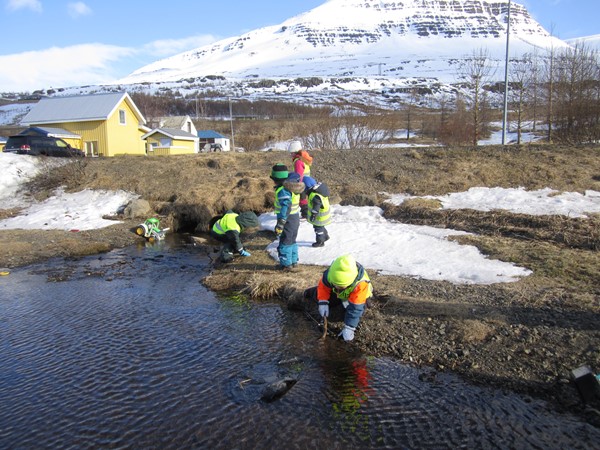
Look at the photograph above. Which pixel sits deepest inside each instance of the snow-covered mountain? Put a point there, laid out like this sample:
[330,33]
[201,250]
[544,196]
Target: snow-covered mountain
[589,42]
[363,38]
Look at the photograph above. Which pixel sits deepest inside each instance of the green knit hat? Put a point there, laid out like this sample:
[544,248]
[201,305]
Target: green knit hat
[343,271]
[279,172]
[247,219]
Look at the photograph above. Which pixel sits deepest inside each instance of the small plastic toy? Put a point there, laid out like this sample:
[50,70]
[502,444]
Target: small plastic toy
[150,229]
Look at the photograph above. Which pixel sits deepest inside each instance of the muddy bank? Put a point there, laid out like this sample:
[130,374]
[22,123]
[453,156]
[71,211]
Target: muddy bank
[22,247]
[517,336]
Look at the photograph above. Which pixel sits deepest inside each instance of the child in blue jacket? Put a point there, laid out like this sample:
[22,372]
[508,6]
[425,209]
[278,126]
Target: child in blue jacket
[287,209]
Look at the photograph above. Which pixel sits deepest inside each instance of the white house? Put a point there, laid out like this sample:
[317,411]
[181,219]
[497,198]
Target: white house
[210,138]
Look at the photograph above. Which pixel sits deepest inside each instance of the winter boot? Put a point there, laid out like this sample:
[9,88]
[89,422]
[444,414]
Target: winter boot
[320,241]
[226,256]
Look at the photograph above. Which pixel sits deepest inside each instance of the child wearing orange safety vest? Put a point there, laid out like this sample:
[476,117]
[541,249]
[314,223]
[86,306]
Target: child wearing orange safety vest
[344,283]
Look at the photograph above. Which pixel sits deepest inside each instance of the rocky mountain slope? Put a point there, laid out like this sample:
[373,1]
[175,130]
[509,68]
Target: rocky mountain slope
[356,38]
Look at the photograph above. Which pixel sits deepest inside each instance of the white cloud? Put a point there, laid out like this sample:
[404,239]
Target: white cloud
[84,64]
[60,67]
[169,47]
[34,5]
[78,9]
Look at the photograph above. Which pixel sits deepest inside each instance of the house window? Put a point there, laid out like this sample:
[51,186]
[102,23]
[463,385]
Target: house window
[165,142]
[122,116]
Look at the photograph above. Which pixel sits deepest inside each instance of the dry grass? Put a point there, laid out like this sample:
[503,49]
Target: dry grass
[473,331]
[571,232]
[260,286]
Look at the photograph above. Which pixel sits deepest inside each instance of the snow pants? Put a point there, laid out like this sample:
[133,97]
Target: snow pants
[288,248]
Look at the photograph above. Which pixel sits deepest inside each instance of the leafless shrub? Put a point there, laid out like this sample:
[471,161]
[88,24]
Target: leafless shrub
[55,172]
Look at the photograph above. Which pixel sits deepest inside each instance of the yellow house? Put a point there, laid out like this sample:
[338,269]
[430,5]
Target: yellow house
[170,141]
[108,124]
[2,142]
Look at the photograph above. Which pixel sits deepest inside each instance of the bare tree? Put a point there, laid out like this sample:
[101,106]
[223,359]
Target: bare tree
[477,70]
[520,82]
[410,110]
[456,129]
[152,107]
[533,90]
[347,129]
[575,93]
[550,87]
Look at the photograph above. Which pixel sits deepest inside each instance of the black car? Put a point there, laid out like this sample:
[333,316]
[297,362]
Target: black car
[40,145]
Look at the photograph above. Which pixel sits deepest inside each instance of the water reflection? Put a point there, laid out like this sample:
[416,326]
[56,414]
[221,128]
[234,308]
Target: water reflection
[128,350]
[349,394]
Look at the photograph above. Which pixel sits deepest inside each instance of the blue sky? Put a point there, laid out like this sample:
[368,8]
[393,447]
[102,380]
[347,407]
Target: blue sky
[69,43]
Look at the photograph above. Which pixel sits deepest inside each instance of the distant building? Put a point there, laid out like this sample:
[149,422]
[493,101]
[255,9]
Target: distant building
[183,123]
[170,141]
[210,140]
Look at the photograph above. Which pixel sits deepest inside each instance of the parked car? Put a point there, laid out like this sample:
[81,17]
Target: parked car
[40,145]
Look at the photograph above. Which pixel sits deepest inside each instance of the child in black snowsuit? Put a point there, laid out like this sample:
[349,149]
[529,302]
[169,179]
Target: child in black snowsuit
[319,211]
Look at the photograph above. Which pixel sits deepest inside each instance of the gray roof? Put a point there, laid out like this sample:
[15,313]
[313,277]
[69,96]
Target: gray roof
[173,121]
[80,108]
[173,133]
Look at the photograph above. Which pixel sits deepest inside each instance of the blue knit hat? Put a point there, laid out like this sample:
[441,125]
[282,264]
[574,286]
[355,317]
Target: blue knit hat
[293,177]
[309,182]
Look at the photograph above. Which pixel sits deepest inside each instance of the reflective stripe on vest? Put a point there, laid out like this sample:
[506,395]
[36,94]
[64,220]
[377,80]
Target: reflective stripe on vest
[276,204]
[294,207]
[226,223]
[323,217]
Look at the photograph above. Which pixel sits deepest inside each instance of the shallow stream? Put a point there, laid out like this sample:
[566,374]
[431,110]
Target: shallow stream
[128,350]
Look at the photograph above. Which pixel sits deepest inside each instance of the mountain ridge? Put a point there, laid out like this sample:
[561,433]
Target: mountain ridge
[410,38]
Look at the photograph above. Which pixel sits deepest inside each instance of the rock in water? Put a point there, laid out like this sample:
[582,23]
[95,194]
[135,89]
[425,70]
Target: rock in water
[277,389]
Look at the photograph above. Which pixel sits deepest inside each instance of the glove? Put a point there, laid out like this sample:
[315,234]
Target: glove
[347,333]
[279,226]
[324,309]
[245,252]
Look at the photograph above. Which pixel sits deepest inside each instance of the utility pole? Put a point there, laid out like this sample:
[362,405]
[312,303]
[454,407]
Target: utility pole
[231,122]
[505,115]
